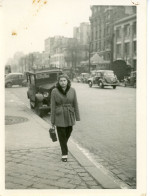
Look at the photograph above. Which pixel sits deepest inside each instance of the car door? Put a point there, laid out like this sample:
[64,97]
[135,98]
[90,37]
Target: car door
[15,79]
[20,79]
[97,77]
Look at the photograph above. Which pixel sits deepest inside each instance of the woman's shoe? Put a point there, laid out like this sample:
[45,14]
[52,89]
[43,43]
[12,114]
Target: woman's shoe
[64,159]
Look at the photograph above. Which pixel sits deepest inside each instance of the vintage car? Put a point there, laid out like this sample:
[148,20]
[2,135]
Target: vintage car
[130,80]
[103,78]
[40,86]
[15,79]
[83,77]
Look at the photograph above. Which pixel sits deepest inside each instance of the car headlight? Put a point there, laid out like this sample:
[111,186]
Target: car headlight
[45,94]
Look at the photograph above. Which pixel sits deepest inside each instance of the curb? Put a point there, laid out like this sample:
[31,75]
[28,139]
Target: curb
[98,174]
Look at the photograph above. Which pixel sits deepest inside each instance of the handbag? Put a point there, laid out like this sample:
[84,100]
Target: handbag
[52,134]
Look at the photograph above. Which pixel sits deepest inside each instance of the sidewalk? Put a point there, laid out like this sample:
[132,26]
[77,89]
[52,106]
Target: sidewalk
[33,161]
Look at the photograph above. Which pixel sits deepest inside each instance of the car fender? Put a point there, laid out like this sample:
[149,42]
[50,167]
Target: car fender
[101,80]
[27,94]
[90,80]
[39,97]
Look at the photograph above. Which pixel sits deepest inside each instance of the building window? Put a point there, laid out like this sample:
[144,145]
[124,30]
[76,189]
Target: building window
[134,29]
[100,33]
[126,50]
[127,31]
[96,47]
[99,46]
[107,44]
[134,64]
[134,48]
[118,33]
[118,50]
[108,56]
[107,30]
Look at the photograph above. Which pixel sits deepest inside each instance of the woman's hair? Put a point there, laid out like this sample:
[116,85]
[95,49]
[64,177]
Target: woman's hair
[68,81]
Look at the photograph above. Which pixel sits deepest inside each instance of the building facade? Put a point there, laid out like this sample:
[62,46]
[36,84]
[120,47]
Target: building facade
[103,34]
[65,53]
[82,33]
[125,40]
[55,51]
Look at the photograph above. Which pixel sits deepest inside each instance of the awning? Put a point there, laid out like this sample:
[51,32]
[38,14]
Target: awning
[96,59]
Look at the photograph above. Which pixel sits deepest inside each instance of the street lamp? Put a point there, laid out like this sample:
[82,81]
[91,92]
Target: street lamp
[89,57]
[49,60]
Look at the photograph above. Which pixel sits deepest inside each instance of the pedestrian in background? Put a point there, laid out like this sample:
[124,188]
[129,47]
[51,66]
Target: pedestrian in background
[64,111]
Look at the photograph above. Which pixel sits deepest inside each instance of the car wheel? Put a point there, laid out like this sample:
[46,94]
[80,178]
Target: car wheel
[114,87]
[24,84]
[9,85]
[101,85]
[32,104]
[90,84]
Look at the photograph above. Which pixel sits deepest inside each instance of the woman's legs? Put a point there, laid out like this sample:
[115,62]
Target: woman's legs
[63,136]
[68,132]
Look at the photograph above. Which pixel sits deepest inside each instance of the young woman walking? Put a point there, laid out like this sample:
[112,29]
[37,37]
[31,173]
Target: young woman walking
[64,111]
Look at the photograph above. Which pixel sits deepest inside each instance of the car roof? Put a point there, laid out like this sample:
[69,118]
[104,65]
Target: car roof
[84,73]
[43,71]
[102,71]
[15,74]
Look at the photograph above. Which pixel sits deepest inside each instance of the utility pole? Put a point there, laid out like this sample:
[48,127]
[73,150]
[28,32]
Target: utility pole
[49,61]
[89,57]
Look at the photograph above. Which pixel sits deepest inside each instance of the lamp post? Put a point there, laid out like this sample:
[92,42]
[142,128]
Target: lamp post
[49,60]
[89,57]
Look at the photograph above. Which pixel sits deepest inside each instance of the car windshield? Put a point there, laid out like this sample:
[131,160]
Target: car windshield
[13,76]
[85,75]
[44,78]
[9,76]
[108,74]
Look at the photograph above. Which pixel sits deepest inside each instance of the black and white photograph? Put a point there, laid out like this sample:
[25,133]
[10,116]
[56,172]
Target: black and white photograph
[74,101]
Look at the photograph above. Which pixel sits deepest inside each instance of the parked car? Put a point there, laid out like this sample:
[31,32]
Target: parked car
[103,78]
[40,86]
[15,79]
[130,80]
[83,77]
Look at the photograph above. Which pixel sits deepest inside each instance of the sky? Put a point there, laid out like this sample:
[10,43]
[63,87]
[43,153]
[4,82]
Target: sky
[27,23]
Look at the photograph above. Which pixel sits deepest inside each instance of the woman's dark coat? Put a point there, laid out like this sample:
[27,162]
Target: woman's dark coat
[64,108]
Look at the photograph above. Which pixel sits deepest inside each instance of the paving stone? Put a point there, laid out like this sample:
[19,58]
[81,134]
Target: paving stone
[9,185]
[72,172]
[42,186]
[95,187]
[116,171]
[63,185]
[22,182]
[91,182]
[74,181]
[83,174]
[15,186]
[80,170]
[63,180]
[76,166]
[87,179]
[81,187]
[122,177]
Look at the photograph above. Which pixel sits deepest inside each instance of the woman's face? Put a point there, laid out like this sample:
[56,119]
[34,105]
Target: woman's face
[63,82]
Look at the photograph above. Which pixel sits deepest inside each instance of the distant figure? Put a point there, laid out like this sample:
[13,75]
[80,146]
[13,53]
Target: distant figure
[64,111]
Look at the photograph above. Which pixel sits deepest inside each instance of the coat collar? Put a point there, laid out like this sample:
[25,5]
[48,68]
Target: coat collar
[62,91]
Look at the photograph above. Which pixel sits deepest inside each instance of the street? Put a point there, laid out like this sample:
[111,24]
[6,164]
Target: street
[107,129]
